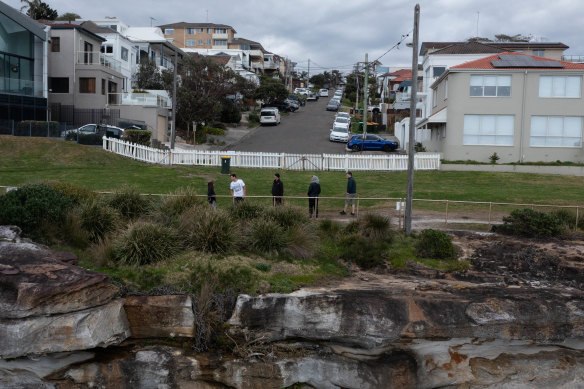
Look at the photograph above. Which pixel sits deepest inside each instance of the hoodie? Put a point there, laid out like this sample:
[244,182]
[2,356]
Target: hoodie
[314,187]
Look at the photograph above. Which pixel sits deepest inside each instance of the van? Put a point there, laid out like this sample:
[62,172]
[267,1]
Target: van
[270,115]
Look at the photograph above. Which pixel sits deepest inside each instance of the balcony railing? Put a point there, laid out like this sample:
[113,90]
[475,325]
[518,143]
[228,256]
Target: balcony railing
[220,36]
[97,58]
[20,87]
[573,58]
[142,99]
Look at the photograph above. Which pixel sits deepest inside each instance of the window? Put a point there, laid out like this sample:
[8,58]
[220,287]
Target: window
[208,41]
[490,86]
[446,88]
[209,31]
[109,49]
[560,86]
[55,44]
[434,97]
[491,130]
[200,42]
[86,85]
[539,53]
[191,42]
[201,30]
[169,31]
[191,31]
[59,84]
[438,70]
[124,54]
[220,31]
[220,42]
[103,86]
[556,131]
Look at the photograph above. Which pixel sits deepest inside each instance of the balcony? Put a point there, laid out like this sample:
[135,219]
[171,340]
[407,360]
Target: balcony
[17,86]
[271,65]
[97,58]
[573,58]
[140,99]
[220,36]
[256,53]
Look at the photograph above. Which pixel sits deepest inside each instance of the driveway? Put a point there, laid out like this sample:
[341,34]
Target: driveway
[305,131]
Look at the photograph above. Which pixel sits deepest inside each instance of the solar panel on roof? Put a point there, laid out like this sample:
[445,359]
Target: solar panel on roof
[523,61]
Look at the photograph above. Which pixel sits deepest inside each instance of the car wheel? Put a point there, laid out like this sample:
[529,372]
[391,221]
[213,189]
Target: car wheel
[387,148]
[356,148]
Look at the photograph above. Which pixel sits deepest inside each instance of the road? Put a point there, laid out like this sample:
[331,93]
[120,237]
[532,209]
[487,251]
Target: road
[305,131]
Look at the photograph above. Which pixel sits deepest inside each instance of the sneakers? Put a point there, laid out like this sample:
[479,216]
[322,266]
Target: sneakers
[343,213]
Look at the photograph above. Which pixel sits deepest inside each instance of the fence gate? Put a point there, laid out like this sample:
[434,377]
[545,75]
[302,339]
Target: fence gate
[302,162]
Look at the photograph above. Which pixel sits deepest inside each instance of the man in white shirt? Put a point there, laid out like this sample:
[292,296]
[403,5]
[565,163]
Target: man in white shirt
[237,188]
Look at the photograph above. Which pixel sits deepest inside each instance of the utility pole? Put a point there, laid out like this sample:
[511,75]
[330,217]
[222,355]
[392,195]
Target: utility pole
[357,94]
[308,74]
[365,96]
[174,107]
[412,133]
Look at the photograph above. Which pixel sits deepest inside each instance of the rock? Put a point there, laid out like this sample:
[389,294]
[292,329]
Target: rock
[96,327]
[22,379]
[45,365]
[160,316]
[33,281]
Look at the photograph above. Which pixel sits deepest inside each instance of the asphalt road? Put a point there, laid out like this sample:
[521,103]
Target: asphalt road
[305,131]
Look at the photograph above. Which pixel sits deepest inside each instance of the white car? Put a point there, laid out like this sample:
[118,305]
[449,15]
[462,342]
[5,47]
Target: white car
[323,93]
[343,122]
[270,115]
[338,94]
[342,115]
[311,96]
[339,133]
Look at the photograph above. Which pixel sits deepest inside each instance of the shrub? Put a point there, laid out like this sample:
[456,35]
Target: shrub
[129,203]
[362,251]
[266,236]
[98,219]
[179,201]
[31,206]
[253,117]
[140,137]
[287,216]
[300,241]
[236,278]
[566,218]
[419,147]
[207,230]
[494,158]
[214,131]
[143,243]
[377,227]
[352,227]
[230,112]
[435,244]
[262,267]
[71,229]
[529,223]
[329,228]
[245,211]
[76,193]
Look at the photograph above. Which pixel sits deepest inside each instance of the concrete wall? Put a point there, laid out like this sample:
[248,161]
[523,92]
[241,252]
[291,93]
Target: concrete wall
[559,170]
[155,118]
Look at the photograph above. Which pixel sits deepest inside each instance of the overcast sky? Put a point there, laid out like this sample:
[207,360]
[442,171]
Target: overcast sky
[335,34]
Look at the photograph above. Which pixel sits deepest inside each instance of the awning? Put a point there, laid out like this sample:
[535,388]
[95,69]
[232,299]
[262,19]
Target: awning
[436,117]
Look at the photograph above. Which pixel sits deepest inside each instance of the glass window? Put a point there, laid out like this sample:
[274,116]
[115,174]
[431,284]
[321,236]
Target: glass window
[560,86]
[191,31]
[191,42]
[220,31]
[59,84]
[490,86]
[124,54]
[438,70]
[109,49]
[220,42]
[86,85]
[539,53]
[103,86]
[556,131]
[201,30]
[169,31]
[209,31]
[491,130]
[200,42]
[55,44]
[208,41]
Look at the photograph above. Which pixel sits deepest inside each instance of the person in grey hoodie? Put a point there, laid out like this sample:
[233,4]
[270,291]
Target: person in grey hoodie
[313,193]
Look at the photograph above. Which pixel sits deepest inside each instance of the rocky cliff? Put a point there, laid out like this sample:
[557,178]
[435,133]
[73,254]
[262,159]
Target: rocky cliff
[515,320]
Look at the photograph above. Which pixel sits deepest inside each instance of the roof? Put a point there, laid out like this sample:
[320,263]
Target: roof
[401,75]
[469,48]
[246,42]
[27,23]
[196,25]
[433,46]
[145,34]
[439,116]
[91,26]
[497,61]
[72,25]
[218,59]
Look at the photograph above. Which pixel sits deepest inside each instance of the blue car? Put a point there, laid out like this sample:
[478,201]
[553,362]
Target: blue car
[372,142]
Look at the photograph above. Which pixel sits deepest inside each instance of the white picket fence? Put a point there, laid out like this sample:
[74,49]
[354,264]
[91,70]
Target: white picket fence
[282,161]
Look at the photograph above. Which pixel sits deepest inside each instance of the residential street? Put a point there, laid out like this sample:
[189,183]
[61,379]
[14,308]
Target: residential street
[305,131]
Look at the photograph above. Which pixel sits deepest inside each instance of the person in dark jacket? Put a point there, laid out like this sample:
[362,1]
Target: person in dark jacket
[351,194]
[211,195]
[277,189]
[313,193]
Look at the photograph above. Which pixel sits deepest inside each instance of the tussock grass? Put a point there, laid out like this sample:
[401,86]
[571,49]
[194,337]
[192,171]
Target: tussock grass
[143,243]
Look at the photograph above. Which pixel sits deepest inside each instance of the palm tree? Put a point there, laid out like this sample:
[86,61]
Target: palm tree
[38,9]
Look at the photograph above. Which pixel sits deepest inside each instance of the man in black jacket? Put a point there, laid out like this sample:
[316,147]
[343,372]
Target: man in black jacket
[351,194]
[313,192]
[277,189]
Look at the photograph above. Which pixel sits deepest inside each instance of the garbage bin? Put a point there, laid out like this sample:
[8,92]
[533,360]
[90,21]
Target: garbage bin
[225,164]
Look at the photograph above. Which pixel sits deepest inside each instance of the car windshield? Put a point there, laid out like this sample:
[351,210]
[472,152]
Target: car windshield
[340,129]
[342,120]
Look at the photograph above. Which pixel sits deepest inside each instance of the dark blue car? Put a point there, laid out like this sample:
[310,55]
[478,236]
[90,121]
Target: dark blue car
[372,142]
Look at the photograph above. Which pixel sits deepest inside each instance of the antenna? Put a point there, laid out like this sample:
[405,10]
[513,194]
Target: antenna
[207,15]
[478,15]
[151,20]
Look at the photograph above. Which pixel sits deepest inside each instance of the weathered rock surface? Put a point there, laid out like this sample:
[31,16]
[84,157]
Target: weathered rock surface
[160,316]
[22,379]
[97,327]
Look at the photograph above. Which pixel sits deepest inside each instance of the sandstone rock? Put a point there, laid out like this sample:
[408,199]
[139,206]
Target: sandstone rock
[45,365]
[160,316]
[22,379]
[96,327]
[34,282]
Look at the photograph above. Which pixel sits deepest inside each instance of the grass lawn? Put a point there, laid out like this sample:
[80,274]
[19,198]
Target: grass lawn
[29,160]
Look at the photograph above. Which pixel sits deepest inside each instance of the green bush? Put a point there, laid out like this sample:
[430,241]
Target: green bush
[566,218]
[352,227]
[140,137]
[266,236]
[377,227]
[253,117]
[207,230]
[435,244]
[130,203]
[98,219]
[329,228]
[32,206]
[224,279]
[214,131]
[529,223]
[230,112]
[362,251]
[78,194]
[300,241]
[245,211]
[179,201]
[144,243]
[287,216]
[262,267]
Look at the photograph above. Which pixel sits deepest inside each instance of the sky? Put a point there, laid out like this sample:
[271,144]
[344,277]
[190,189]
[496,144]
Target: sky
[335,34]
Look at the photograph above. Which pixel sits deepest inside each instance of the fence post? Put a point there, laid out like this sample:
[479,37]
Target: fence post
[446,221]
[490,210]
[357,212]
[30,129]
[577,213]
[12,121]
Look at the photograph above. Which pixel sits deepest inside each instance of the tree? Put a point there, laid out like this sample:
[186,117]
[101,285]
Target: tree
[318,80]
[512,38]
[270,90]
[38,9]
[68,16]
[147,76]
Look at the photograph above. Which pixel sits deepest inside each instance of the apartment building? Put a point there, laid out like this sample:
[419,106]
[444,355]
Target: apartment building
[199,35]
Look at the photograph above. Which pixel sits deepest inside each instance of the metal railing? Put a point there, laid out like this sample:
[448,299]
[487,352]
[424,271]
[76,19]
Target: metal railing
[97,58]
[284,161]
[141,99]
[573,58]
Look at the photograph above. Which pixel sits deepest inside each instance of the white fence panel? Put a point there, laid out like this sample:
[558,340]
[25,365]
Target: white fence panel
[239,159]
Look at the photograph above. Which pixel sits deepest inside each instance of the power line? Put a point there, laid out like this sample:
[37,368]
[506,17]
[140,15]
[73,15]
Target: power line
[403,37]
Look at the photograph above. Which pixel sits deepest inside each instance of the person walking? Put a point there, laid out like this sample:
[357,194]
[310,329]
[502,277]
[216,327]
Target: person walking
[313,193]
[277,189]
[351,194]
[211,198]
[237,188]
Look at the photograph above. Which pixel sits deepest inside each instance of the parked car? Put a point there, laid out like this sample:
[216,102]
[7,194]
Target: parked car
[282,106]
[339,133]
[292,103]
[270,115]
[344,122]
[342,115]
[338,94]
[89,129]
[323,93]
[301,91]
[333,105]
[311,96]
[301,101]
[372,142]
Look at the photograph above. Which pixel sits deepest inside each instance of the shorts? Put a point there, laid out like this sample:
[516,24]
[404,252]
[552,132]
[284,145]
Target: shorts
[351,198]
